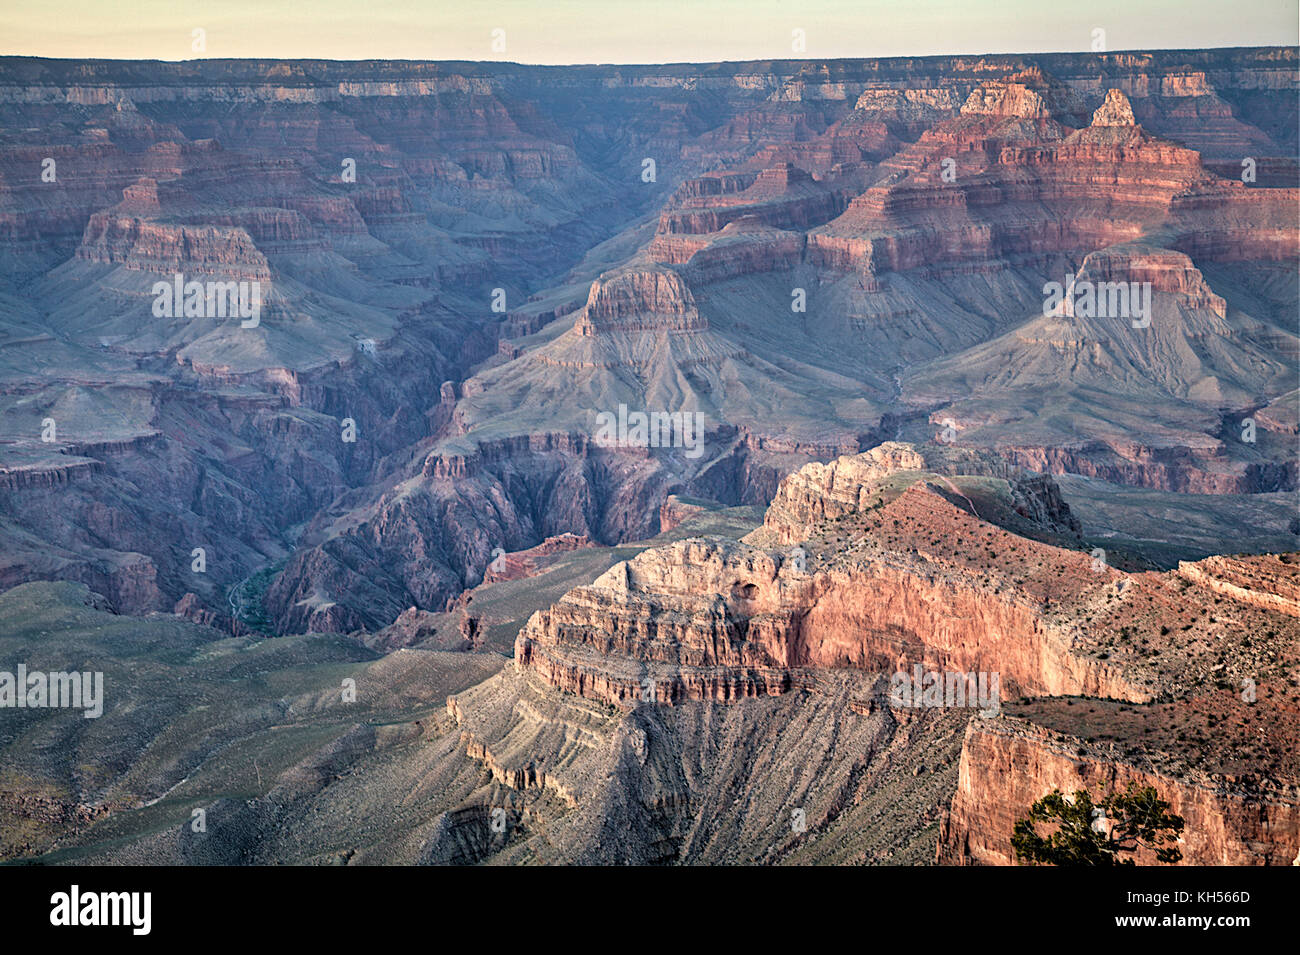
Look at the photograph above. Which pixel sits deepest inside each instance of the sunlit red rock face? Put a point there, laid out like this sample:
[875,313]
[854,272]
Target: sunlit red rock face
[974,188]
[1242,817]
[732,620]
[1225,757]
[849,485]
[1181,680]
[730,624]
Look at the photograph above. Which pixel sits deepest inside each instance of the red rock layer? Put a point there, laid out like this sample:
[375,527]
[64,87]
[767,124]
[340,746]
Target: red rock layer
[730,621]
[640,300]
[1007,765]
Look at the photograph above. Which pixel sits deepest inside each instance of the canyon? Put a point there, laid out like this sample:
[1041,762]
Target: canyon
[908,457]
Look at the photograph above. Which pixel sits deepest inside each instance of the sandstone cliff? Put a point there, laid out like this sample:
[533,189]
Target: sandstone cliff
[884,564]
[1233,818]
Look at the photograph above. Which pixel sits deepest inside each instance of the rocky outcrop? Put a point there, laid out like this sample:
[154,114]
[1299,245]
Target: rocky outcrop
[158,248]
[412,626]
[1114,111]
[710,620]
[526,563]
[743,247]
[1009,99]
[820,492]
[849,485]
[910,105]
[640,300]
[1164,270]
[1230,819]
[1270,582]
[783,197]
[883,579]
[191,608]
[676,510]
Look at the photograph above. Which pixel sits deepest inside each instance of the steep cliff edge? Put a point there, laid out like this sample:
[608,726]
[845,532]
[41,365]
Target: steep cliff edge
[1243,816]
[881,564]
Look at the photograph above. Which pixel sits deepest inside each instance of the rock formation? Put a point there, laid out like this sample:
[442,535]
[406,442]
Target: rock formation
[842,271]
[809,271]
[881,579]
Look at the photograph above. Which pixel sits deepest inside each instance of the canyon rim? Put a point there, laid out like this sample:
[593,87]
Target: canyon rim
[798,459]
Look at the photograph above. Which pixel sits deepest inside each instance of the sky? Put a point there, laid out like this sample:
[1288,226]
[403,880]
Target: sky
[629,31]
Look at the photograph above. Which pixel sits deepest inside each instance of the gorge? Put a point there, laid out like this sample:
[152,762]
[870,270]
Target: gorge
[875,442]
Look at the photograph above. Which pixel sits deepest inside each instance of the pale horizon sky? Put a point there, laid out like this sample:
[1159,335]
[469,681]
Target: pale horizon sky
[629,31]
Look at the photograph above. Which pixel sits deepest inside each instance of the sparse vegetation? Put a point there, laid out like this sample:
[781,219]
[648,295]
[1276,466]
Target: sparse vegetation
[247,599]
[1108,832]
